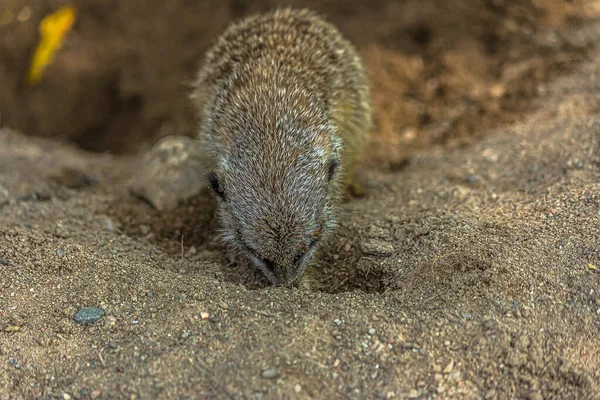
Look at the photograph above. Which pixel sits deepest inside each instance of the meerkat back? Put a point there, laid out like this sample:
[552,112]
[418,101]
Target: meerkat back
[316,54]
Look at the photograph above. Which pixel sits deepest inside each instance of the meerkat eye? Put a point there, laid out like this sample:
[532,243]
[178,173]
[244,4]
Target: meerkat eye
[215,185]
[333,167]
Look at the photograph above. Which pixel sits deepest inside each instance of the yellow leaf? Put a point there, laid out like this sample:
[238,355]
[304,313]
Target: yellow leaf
[53,29]
[592,266]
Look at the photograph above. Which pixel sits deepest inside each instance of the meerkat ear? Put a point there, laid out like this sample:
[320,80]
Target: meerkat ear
[333,167]
[213,179]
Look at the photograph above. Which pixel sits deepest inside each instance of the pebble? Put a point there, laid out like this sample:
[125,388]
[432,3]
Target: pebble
[377,247]
[88,315]
[12,329]
[536,396]
[270,373]
[337,321]
[204,315]
[449,367]
[14,363]
[297,389]
[413,394]
[371,331]
[95,394]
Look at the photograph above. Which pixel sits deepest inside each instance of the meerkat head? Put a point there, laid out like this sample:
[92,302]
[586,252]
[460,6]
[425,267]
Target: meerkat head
[277,194]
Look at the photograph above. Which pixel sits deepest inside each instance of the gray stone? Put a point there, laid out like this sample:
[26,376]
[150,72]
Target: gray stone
[88,315]
[171,172]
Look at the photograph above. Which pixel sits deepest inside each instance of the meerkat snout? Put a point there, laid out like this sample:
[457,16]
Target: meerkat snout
[278,227]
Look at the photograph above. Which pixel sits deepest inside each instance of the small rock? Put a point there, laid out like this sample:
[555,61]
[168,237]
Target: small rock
[204,315]
[472,179]
[497,90]
[14,363]
[371,331]
[377,247]
[270,373]
[12,329]
[449,367]
[413,394]
[88,315]
[66,396]
[337,321]
[95,394]
[297,389]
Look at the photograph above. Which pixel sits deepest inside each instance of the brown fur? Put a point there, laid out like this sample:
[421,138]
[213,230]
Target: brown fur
[282,99]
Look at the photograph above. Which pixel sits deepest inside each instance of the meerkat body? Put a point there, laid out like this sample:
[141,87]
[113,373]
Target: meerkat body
[284,109]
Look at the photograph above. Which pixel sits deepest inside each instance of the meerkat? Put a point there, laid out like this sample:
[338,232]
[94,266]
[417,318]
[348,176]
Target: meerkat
[284,111]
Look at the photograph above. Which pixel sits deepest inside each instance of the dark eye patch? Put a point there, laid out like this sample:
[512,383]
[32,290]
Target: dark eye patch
[333,167]
[213,179]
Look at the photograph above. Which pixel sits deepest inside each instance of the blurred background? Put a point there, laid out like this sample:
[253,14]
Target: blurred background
[442,72]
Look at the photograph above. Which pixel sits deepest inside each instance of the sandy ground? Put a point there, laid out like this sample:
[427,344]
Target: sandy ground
[467,271]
